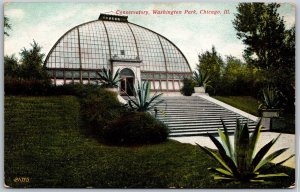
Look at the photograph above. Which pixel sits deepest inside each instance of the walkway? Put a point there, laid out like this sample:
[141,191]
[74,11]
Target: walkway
[285,140]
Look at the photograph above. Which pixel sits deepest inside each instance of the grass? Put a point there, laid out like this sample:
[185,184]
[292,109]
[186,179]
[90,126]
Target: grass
[285,124]
[245,103]
[45,144]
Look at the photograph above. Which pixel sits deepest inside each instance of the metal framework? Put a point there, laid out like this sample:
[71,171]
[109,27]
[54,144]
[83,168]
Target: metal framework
[89,47]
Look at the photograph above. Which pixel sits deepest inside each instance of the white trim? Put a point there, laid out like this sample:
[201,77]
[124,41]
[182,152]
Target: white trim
[229,107]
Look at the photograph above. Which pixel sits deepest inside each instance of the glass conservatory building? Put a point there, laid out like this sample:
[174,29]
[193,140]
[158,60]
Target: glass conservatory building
[112,42]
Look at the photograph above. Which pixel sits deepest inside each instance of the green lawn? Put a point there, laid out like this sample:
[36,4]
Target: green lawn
[45,144]
[285,124]
[245,103]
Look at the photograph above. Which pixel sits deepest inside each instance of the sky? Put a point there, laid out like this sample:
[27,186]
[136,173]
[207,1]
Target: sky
[191,33]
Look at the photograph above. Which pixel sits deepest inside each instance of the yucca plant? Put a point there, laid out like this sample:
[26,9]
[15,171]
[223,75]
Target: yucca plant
[201,79]
[271,98]
[142,101]
[107,78]
[239,163]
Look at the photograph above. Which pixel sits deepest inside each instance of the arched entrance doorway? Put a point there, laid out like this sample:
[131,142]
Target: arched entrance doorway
[127,82]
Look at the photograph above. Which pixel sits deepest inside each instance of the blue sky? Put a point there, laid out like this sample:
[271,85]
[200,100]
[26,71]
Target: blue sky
[193,34]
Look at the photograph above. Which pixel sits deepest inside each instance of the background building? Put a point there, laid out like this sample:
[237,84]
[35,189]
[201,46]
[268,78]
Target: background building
[114,43]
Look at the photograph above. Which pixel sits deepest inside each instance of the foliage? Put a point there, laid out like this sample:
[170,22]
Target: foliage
[262,30]
[14,86]
[107,78]
[240,78]
[7,25]
[272,98]
[270,46]
[212,64]
[188,87]
[11,66]
[77,89]
[135,128]
[239,161]
[32,63]
[202,79]
[284,124]
[98,108]
[43,135]
[142,101]
[27,76]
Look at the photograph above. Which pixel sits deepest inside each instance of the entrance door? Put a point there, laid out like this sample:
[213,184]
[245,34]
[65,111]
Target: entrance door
[127,82]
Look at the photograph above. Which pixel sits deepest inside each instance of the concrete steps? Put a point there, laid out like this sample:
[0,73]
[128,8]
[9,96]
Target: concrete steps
[194,116]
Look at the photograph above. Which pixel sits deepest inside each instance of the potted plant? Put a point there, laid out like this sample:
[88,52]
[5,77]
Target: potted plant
[109,81]
[202,81]
[269,109]
[270,102]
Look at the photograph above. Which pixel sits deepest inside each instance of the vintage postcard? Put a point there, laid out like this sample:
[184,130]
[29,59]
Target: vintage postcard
[196,95]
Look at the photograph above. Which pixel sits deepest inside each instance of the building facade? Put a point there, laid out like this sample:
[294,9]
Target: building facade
[112,42]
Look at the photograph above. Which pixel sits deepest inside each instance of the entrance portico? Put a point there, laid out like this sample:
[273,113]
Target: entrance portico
[130,74]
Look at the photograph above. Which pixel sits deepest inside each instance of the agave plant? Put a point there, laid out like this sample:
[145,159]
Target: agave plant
[142,100]
[239,162]
[271,98]
[201,79]
[109,81]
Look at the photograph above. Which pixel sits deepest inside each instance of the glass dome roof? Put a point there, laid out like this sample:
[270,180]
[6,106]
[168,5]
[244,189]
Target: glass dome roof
[112,42]
[92,46]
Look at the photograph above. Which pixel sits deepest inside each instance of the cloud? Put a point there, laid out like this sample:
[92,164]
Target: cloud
[15,13]
[289,20]
[45,34]
[234,49]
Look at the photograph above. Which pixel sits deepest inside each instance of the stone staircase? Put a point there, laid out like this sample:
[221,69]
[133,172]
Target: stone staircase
[194,116]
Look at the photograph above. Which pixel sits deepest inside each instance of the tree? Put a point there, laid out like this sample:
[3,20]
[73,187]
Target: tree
[289,56]
[11,67]
[212,64]
[237,78]
[32,63]
[7,25]
[261,29]
[269,45]
[234,68]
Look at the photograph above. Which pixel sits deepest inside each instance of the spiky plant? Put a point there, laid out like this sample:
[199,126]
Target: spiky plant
[142,101]
[271,97]
[107,78]
[239,162]
[201,79]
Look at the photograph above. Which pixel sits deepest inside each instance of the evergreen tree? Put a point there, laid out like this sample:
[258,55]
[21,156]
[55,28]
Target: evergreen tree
[32,63]
[11,67]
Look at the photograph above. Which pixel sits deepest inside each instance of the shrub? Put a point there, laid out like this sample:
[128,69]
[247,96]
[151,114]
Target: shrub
[14,86]
[77,89]
[239,163]
[188,87]
[98,109]
[135,128]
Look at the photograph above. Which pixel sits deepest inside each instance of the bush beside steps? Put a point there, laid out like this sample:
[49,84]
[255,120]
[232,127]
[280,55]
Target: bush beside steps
[135,128]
